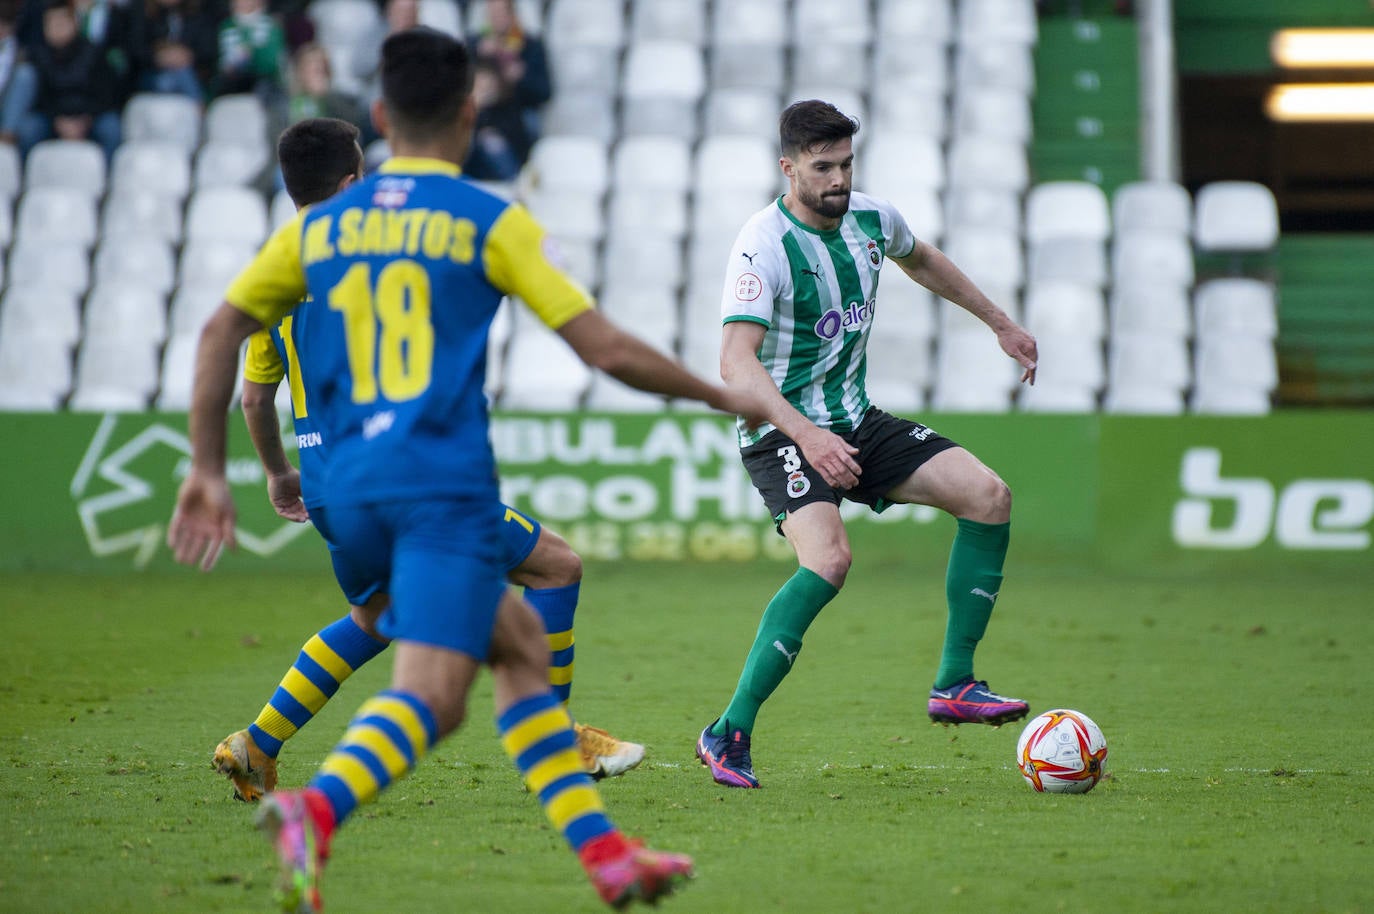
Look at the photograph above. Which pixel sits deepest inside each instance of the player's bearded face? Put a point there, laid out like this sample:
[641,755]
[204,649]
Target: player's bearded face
[824,177]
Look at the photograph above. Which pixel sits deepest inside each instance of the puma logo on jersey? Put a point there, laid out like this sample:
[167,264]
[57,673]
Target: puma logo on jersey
[790,655]
[980,592]
[749,257]
[814,274]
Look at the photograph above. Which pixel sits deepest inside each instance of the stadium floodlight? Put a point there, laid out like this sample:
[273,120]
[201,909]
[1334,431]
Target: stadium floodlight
[1321,102]
[1324,48]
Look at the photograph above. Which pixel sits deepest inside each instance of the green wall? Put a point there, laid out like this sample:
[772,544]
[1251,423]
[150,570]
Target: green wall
[1232,36]
[89,492]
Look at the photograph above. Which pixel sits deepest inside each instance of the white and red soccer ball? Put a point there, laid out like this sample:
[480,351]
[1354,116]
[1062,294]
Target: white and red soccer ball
[1062,751]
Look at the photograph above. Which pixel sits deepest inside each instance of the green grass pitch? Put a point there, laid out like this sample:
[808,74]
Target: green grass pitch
[1236,712]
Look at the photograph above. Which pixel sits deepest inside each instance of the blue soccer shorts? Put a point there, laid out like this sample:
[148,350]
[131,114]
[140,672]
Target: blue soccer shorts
[443,562]
[519,532]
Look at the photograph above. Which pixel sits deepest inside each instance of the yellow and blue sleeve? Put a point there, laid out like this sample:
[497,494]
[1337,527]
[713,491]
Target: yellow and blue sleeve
[262,364]
[274,281]
[516,263]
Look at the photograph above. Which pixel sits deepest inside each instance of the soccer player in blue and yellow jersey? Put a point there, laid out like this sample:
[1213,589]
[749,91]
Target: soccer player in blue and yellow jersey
[405,270]
[319,157]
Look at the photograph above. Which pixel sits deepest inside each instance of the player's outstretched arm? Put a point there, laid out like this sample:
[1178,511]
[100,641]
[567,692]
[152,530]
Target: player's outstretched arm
[283,479]
[203,522]
[605,346]
[929,266]
[830,454]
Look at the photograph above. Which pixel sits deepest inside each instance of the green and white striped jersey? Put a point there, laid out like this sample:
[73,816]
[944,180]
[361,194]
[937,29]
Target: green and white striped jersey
[815,292]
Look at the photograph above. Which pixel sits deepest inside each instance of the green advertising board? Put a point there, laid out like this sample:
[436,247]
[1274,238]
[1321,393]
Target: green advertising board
[93,492]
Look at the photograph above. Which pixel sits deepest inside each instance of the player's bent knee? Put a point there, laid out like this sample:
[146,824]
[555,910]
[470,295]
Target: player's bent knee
[834,566]
[993,502]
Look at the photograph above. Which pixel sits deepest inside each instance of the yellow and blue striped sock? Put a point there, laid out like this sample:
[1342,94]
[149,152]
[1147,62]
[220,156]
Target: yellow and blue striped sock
[557,606]
[537,734]
[325,661]
[390,733]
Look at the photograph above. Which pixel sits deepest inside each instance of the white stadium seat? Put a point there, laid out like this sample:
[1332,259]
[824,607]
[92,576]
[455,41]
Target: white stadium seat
[568,163]
[144,261]
[138,212]
[56,215]
[1235,306]
[115,374]
[53,264]
[35,373]
[1012,21]
[224,164]
[75,164]
[1142,306]
[976,161]
[682,20]
[162,116]
[227,213]
[151,165]
[663,83]
[1152,256]
[442,15]
[240,119]
[1235,216]
[36,309]
[1067,209]
[1152,205]
[126,310]
[915,20]
[993,111]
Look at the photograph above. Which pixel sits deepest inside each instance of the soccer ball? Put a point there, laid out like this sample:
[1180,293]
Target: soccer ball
[1061,751]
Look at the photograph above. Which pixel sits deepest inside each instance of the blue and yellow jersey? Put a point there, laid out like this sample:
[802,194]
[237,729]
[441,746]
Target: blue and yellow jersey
[405,271]
[271,356]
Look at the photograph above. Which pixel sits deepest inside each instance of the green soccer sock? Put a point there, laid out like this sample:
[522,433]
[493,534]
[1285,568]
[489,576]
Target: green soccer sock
[776,645]
[972,582]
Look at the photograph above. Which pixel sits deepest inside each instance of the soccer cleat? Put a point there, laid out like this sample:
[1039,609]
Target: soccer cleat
[252,771]
[604,755]
[971,702]
[624,871]
[301,840]
[727,756]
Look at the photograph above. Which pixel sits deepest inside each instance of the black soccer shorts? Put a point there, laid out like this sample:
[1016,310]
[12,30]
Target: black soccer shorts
[890,450]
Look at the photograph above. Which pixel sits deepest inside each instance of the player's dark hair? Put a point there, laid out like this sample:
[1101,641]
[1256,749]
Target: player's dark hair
[426,76]
[315,155]
[813,124]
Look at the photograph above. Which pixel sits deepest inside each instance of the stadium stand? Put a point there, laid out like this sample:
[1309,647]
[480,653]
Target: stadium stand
[660,141]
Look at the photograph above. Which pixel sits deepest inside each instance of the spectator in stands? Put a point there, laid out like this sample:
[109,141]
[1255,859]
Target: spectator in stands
[75,98]
[118,31]
[500,141]
[313,93]
[523,66]
[183,37]
[18,81]
[297,26]
[367,53]
[252,49]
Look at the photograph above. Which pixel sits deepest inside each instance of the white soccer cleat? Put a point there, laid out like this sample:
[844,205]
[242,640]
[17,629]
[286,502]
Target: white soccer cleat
[604,755]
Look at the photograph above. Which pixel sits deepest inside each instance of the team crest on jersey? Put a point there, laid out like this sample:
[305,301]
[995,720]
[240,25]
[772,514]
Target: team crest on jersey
[875,256]
[797,484]
[392,193]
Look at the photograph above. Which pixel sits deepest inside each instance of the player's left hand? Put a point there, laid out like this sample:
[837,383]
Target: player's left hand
[1020,345]
[284,491]
[203,522]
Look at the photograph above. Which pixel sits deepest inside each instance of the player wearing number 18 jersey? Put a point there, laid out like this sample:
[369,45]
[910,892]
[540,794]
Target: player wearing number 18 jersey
[405,270]
[318,156]
[799,302]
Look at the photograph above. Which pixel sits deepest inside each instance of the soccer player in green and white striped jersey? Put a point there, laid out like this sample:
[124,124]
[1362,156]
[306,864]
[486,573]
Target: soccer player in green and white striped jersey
[798,305]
